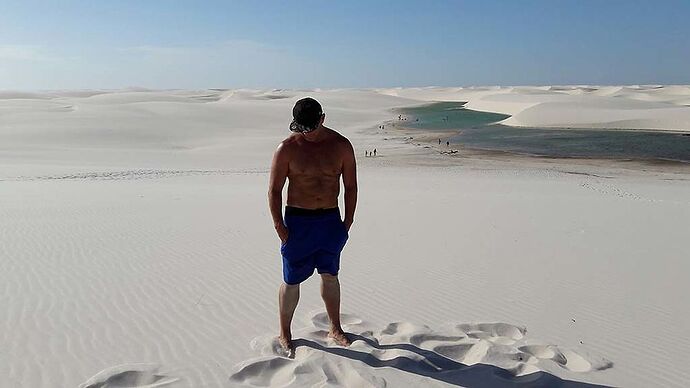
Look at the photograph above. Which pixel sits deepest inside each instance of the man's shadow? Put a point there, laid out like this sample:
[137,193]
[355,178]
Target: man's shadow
[438,367]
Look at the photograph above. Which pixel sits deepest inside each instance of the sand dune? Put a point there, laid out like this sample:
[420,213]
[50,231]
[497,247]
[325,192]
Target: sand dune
[618,107]
[136,247]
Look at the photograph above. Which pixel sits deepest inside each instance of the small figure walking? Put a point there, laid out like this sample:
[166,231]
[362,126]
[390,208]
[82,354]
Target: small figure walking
[439,141]
[374,151]
[447,144]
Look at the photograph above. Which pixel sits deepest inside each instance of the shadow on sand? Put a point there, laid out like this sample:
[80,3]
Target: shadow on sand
[438,367]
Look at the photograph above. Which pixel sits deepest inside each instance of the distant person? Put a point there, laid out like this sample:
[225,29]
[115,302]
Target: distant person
[447,144]
[374,151]
[312,235]
[439,141]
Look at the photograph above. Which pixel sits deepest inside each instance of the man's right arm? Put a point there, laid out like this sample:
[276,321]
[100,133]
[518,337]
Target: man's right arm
[279,171]
[350,183]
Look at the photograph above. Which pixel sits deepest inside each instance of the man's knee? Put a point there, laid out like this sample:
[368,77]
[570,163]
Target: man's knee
[288,286]
[326,277]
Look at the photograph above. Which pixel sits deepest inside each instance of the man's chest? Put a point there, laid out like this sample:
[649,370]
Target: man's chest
[316,163]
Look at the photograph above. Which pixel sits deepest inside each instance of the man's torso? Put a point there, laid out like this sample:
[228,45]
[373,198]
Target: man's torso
[314,170]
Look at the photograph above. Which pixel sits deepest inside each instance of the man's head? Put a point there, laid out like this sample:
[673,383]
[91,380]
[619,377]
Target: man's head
[307,115]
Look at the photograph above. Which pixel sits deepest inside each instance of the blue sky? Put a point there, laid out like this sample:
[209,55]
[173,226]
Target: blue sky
[287,44]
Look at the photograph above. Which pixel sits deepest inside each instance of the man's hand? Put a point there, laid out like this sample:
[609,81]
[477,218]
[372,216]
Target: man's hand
[348,224]
[282,232]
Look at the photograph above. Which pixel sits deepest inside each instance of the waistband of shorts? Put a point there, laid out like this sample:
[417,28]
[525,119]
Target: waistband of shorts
[298,211]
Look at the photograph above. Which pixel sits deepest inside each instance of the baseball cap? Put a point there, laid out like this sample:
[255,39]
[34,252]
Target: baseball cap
[306,115]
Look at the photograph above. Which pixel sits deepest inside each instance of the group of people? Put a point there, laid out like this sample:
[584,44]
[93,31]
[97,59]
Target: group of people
[370,153]
[401,118]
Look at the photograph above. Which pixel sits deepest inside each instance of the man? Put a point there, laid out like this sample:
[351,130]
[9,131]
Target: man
[312,158]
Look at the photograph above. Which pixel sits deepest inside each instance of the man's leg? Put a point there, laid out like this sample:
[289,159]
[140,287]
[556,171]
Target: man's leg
[288,296]
[330,292]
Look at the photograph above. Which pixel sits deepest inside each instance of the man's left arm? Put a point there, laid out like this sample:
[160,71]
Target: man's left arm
[350,183]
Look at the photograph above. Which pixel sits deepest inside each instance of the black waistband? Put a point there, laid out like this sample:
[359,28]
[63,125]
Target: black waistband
[298,211]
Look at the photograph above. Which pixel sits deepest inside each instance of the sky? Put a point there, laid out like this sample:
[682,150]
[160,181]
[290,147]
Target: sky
[50,44]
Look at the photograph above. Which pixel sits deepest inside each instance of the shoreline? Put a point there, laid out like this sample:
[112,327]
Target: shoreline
[427,140]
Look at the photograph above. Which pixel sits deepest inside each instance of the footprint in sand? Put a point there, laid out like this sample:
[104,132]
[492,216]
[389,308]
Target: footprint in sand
[129,376]
[419,339]
[321,321]
[565,358]
[501,333]
[401,352]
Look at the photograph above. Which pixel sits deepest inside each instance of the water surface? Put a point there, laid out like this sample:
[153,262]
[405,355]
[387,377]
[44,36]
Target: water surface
[480,130]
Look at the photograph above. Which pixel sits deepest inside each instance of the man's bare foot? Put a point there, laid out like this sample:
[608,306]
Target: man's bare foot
[339,336]
[287,346]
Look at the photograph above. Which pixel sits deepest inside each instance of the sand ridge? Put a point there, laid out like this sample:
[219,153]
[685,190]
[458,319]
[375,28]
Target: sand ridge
[476,355]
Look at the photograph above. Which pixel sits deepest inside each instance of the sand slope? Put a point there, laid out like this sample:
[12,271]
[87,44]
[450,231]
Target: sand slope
[620,107]
[476,355]
[136,249]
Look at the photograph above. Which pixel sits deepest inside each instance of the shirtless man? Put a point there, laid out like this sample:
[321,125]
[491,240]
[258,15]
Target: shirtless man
[312,235]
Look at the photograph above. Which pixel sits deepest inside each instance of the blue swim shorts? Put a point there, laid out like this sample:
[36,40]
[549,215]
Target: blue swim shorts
[315,239]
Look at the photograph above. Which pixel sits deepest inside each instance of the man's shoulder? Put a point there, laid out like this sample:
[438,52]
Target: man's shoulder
[289,142]
[338,137]
[286,147]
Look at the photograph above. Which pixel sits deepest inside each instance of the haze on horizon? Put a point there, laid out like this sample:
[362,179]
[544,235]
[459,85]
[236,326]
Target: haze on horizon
[160,44]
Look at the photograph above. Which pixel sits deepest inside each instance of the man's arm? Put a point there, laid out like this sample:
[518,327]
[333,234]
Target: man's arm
[279,171]
[350,183]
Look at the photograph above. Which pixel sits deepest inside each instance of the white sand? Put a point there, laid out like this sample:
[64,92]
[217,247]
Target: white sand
[619,107]
[137,250]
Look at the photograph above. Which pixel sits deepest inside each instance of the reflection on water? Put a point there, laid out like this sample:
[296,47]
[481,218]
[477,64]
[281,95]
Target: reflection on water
[479,130]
